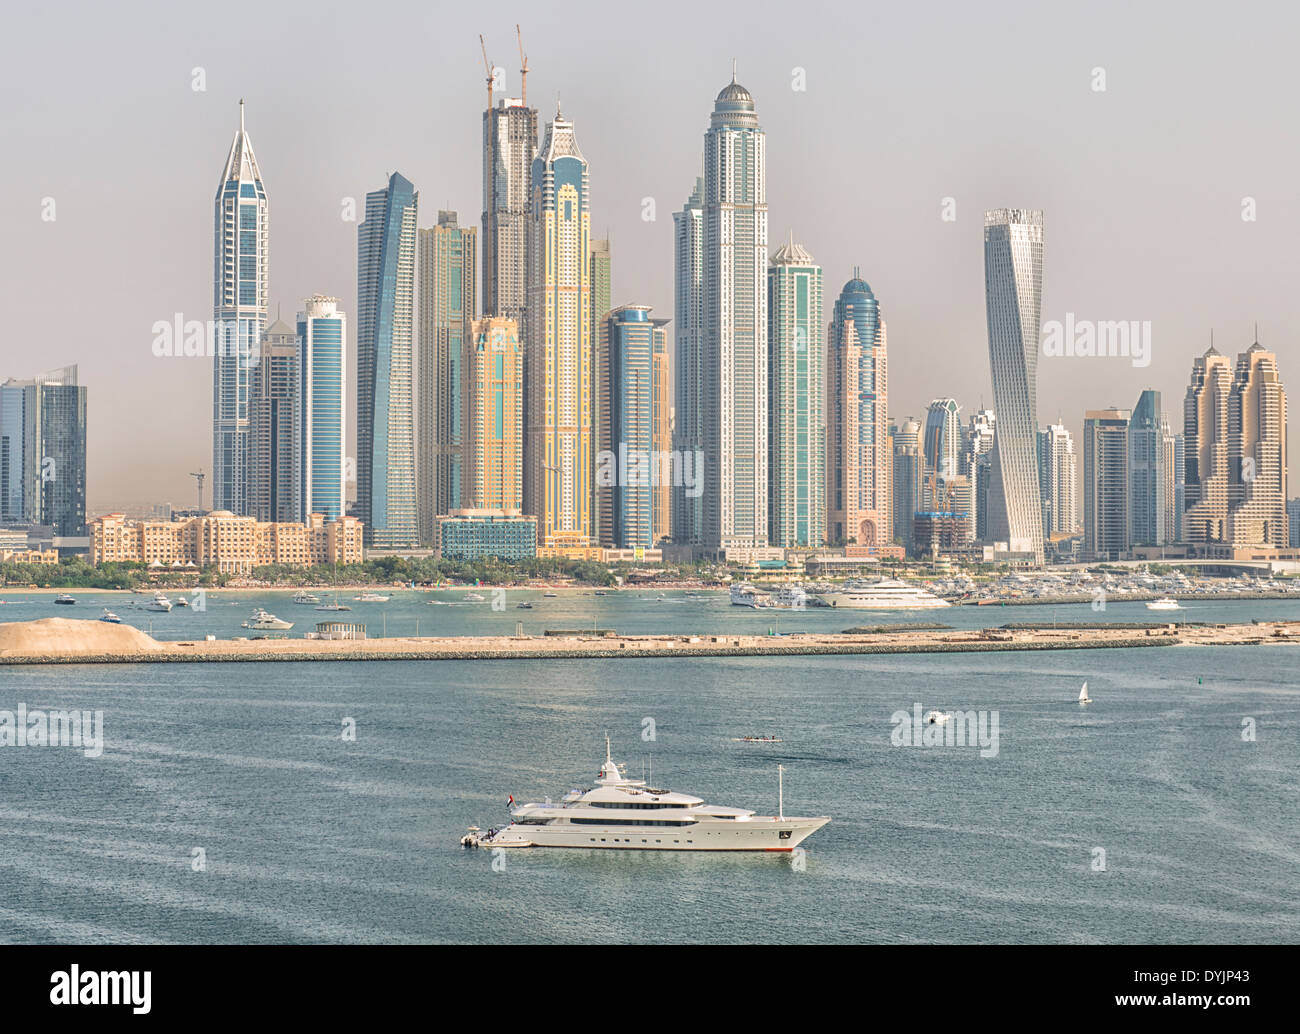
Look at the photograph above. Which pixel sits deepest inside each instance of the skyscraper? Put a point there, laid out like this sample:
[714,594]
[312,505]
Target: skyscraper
[493,407]
[446,271]
[979,467]
[796,400]
[906,481]
[1257,461]
[1149,475]
[239,292]
[558,378]
[1013,279]
[942,445]
[509,144]
[1058,468]
[43,428]
[1206,448]
[322,412]
[272,412]
[688,359]
[1180,489]
[600,388]
[631,464]
[1105,483]
[858,507]
[661,434]
[734,265]
[386,256]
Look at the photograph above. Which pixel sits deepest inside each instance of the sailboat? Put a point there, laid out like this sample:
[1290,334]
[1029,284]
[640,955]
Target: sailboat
[1083,695]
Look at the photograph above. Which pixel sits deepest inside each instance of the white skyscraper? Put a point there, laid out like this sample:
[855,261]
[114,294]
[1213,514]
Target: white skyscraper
[1059,471]
[735,324]
[688,380]
[239,290]
[1013,280]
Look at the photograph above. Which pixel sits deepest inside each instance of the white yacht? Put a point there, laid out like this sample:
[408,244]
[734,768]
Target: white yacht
[1168,603]
[885,594]
[304,597]
[629,814]
[372,597]
[264,622]
[745,595]
[160,602]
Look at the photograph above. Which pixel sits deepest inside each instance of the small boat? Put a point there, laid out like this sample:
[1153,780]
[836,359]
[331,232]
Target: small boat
[303,596]
[262,621]
[160,602]
[63,599]
[525,605]
[336,605]
[181,601]
[550,595]
[371,597]
[756,739]
[937,718]
[1168,603]
[473,597]
[1083,695]
[110,617]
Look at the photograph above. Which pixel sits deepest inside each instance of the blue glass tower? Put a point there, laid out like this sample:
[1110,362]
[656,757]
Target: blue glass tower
[321,429]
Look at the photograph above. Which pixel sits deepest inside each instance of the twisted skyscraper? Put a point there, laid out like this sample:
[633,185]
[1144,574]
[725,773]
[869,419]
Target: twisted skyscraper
[1013,284]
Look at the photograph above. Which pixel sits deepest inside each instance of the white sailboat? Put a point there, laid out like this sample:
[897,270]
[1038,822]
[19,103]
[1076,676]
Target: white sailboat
[1083,695]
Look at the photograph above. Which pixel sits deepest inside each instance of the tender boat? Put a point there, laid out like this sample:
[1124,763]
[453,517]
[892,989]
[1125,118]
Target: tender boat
[264,622]
[885,594]
[181,601]
[110,617]
[629,814]
[1168,603]
[63,599]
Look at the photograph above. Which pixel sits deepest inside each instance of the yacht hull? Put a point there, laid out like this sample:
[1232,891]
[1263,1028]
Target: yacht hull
[757,835]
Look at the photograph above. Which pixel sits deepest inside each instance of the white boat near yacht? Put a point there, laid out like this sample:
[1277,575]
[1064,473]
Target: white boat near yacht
[885,594]
[629,814]
[264,622]
[1168,603]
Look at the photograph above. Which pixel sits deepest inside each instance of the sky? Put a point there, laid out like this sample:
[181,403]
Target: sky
[908,113]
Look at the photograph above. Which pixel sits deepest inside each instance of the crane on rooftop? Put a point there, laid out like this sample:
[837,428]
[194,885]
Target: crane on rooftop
[523,69]
[487,67]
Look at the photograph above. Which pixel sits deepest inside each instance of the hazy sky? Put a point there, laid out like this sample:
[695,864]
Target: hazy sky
[990,104]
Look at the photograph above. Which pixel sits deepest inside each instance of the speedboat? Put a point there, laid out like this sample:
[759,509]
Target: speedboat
[264,622]
[160,602]
[473,597]
[632,815]
[371,597]
[181,601]
[63,599]
[303,596]
[755,739]
[937,718]
[524,605]
[1168,603]
[110,617]
[550,595]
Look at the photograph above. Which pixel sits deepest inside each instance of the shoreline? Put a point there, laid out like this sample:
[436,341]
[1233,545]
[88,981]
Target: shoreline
[66,641]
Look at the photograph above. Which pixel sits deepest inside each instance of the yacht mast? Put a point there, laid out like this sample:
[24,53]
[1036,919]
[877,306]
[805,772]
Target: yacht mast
[780,791]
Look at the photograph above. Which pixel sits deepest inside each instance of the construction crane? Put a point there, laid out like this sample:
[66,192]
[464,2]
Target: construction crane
[487,67]
[523,69]
[199,478]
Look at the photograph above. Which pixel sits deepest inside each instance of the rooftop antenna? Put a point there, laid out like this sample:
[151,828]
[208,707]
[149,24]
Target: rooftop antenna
[241,115]
[523,69]
[487,67]
[733,69]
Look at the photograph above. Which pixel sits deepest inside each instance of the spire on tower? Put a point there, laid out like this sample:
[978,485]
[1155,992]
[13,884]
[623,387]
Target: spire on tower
[241,114]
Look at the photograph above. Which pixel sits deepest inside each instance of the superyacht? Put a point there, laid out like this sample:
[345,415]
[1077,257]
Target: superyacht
[630,815]
[885,594]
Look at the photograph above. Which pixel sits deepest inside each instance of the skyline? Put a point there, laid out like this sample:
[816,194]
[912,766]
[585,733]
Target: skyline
[863,201]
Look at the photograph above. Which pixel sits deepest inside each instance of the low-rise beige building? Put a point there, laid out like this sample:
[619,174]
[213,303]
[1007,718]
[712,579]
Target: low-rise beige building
[231,544]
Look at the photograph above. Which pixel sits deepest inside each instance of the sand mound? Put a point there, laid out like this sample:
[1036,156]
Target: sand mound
[69,636]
